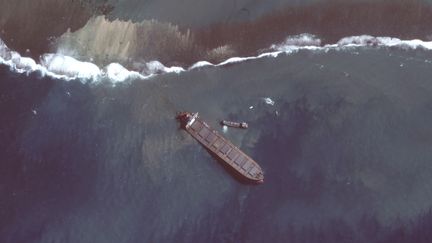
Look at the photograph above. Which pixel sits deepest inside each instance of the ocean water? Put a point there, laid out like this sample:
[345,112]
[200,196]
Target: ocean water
[345,149]
[90,150]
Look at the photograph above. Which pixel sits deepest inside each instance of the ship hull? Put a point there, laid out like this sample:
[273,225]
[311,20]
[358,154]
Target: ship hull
[221,148]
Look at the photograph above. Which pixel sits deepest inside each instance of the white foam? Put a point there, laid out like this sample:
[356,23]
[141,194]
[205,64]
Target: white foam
[235,60]
[158,67]
[22,64]
[68,68]
[365,40]
[358,40]
[302,40]
[174,69]
[154,66]
[3,50]
[26,63]
[268,101]
[224,128]
[201,64]
[117,73]
[297,42]
[270,54]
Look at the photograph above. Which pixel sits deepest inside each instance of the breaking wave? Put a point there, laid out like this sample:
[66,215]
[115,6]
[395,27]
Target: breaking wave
[68,68]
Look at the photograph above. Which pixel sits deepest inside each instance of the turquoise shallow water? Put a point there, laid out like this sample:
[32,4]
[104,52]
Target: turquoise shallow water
[345,149]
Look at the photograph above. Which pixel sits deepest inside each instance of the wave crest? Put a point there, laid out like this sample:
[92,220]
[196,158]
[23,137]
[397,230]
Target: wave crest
[367,40]
[66,67]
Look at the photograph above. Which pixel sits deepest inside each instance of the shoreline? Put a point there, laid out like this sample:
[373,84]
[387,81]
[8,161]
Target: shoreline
[329,21]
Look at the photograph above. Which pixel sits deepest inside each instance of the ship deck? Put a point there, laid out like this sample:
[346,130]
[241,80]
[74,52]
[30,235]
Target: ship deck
[224,149]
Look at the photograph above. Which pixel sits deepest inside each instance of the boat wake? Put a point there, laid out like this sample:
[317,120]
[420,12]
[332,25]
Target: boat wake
[68,68]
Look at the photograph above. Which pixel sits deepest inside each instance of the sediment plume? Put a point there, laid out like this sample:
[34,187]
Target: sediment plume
[171,44]
[78,29]
[103,41]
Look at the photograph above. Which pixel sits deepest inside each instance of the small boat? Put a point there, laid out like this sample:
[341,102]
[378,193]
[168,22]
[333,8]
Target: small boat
[243,125]
[219,146]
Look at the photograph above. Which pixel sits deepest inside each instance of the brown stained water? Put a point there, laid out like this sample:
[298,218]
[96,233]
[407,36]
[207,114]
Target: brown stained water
[144,37]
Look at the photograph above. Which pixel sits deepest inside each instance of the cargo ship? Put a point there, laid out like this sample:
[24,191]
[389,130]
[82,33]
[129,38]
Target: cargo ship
[223,149]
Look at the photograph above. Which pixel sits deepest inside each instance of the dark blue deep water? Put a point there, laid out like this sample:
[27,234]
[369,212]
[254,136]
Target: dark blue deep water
[346,150]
